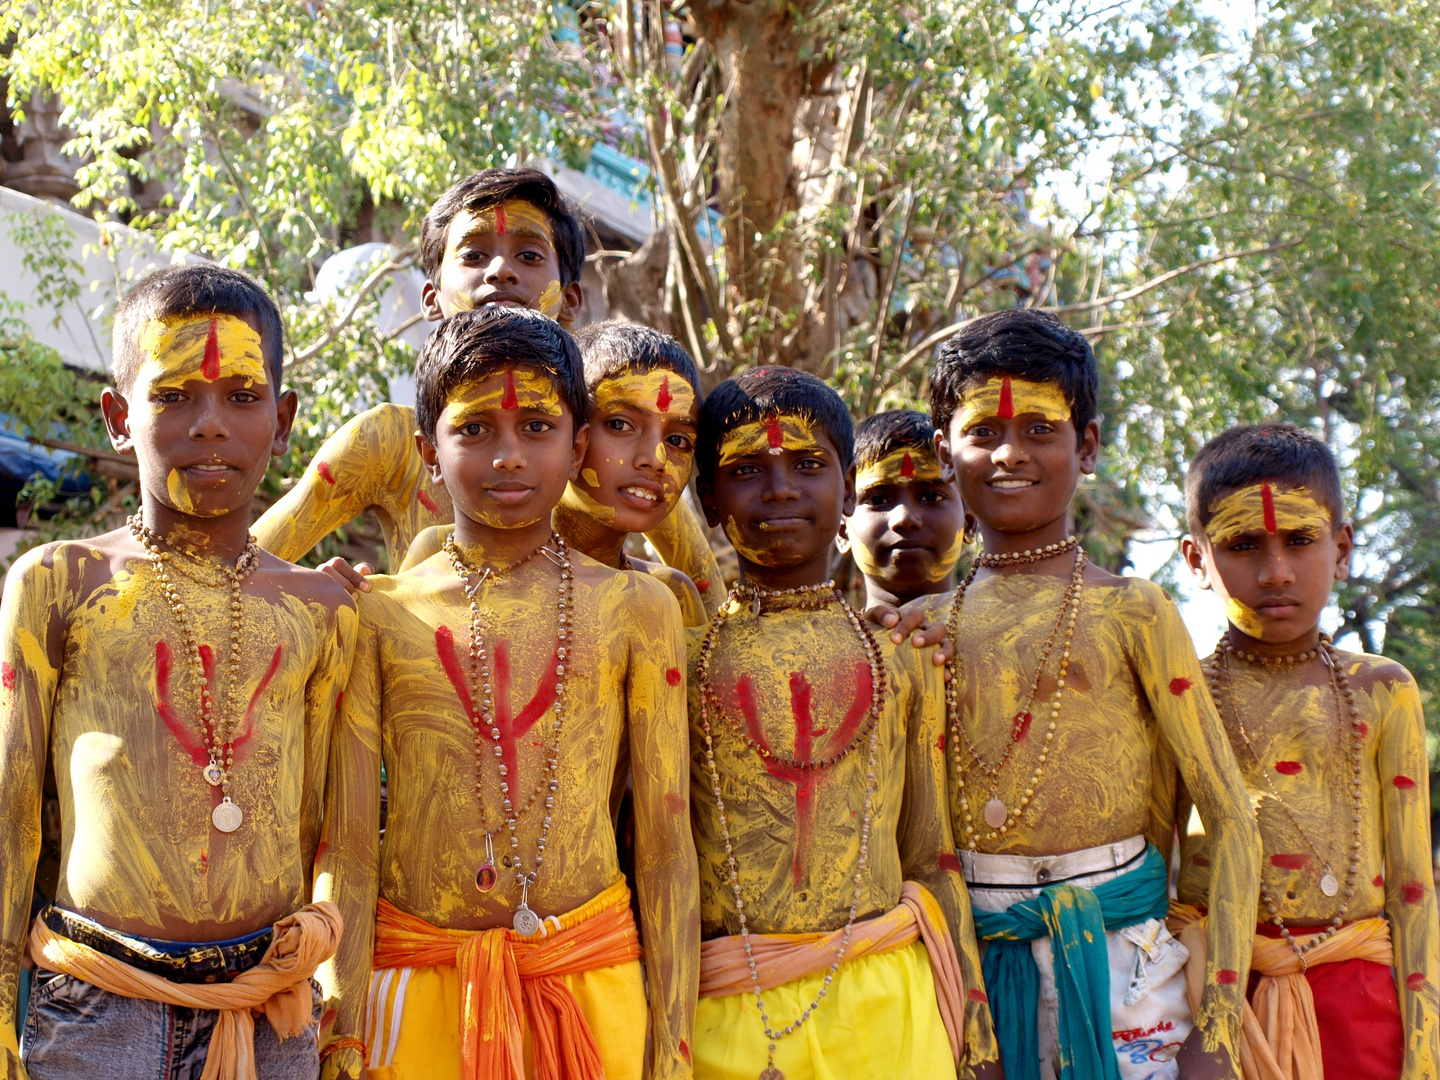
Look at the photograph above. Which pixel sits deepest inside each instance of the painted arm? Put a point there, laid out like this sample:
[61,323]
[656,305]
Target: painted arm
[347,865]
[427,543]
[1409,876]
[682,543]
[30,650]
[927,847]
[1163,657]
[665,865]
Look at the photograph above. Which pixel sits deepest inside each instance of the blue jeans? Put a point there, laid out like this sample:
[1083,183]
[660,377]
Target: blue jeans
[75,1031]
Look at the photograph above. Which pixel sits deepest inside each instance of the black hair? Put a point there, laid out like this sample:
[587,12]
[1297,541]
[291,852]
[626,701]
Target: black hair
[193,289]
[885,432]
[614,348]
[761,392]
[1252,453]
[491,187]
[1023,343]
[470,345]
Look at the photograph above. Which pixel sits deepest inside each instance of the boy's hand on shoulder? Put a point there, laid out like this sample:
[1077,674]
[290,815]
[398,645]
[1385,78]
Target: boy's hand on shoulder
[911,621]
[352,577]
[1195,1064]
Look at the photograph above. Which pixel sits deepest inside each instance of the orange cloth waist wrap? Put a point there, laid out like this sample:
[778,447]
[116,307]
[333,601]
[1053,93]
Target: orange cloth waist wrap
[782,958]
[1280,1039]
[500,971]
[278,985]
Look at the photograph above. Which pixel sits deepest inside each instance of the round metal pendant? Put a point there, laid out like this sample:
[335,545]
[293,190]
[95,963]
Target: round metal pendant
[526,922]
[486,877]
[772,1073]
[996,814]
[214,775]
[1328,885]
[226,817]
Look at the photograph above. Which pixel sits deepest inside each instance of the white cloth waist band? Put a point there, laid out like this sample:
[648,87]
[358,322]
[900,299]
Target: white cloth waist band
[981,869]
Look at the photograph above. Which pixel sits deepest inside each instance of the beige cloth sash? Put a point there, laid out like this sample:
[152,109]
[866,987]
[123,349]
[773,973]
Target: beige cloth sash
[783,958]
[277,986]
[1280,1039]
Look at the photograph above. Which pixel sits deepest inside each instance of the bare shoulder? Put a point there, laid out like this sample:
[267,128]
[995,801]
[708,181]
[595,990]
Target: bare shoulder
[935,607]
[628,601]
[310,587]
[1368,672]
[77,566]
[677,581]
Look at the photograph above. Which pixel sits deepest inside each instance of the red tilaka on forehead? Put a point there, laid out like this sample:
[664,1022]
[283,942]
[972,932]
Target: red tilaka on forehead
[499,219]
[663,398]
[210,367]
[1006,410]
[1267,507]
[508,400]
[774,435]
[907,466]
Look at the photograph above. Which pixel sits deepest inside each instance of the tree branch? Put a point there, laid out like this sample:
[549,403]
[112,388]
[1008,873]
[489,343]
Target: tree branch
[396,262]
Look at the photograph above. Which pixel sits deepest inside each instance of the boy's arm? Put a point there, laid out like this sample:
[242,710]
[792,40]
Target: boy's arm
[927,846]
[667,873]
[427,542]
[30,651]
[1169,671]
[347,865]
[1409,876]
[682,543]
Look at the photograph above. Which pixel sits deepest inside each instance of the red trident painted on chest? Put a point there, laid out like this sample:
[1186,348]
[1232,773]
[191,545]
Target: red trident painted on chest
[193,742]
[210,367]
[1267,507]
[512,725]
[663,398]
[807,732]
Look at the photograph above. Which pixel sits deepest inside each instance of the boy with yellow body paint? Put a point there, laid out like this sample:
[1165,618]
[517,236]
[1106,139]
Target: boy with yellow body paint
[1077,696]
[502,682]
[644,403]
[181,686]
[500,236]
[907,530]
[1332,747]
[829,893]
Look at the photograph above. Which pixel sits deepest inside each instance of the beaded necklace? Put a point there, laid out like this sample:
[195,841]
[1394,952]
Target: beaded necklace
[482,692]
[219,729]
[1220,686]
[810,596]
[997,814]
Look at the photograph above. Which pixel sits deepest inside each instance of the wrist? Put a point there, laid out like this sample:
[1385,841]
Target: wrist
[342,1057]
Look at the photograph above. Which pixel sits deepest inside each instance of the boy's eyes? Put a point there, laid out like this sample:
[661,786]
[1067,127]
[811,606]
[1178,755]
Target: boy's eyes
[536,427]
[472,429]
[619,423]
[681,441]
[933,496]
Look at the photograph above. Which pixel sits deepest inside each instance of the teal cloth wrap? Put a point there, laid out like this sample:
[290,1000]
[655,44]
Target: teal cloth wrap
[1075,920]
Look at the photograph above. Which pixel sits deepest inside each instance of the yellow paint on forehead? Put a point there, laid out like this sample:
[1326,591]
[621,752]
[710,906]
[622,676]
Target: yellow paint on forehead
[515,216]
[1265,508]
[1005,396]
[773,435]
[656,391]
[210,347]
[512,389]
[1243,616]
[904,466]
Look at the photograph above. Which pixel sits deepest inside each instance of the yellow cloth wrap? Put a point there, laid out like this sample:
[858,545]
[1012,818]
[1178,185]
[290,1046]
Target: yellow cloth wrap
[1280,1039]
[277,986]
[493,1005]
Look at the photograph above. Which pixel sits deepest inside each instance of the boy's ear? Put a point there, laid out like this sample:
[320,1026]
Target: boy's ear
[1090,447]
[284,420]
[577,452]
[430,302]
[706,493]
[431,459]
[849,506]
[842,538]
[942,451]
[1344,549]
[116,411]
[573,299]
[1194,557]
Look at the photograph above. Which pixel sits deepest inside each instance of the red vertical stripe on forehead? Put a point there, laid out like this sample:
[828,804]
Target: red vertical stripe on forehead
[509,400]
[663,398]
[499,221]
[1267,506]
[1007,400]
[907,466]
[211,367]
[773,433]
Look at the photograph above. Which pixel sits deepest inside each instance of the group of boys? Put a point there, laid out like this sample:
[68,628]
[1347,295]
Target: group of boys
[851,856]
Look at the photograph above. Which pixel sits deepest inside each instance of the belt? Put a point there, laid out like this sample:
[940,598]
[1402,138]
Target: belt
[178,961]
[1009,871]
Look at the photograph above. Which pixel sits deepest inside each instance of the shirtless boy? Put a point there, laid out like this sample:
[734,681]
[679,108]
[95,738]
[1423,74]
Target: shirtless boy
[181,684]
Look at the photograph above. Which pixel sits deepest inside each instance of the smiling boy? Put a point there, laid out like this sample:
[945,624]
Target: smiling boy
[907,529]
[1077,694]
[1332,747]
[829,895]
[500,682]
[181,685]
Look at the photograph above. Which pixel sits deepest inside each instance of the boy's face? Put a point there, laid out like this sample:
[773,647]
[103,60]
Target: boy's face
[504,254]
[779,491]
[906,531]
[200,415]
[641,452]
[1016,455]
[504,448]
[1272,554]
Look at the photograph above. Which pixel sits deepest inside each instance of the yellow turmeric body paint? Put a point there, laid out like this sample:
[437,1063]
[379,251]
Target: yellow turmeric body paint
[1265,508]
[1245,617]
[210,347]
[772,435]
[903,466]
[1006,396]
[517,388]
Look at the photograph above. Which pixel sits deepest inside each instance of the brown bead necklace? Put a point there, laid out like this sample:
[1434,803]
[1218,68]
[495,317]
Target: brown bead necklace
[482,693]
[810,596]
[219,729]
[997,814]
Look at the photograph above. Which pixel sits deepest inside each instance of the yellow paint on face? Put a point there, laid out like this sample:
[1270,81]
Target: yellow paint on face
[211,347]
[512,389]
[591,479]
[773,435]
[904,466]
[515,216]
[461,302]
[180,496]
[1005,396]
[1243,616]
[946,564]
[550,300]
[1265,508]
[657,391]
[581,501]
